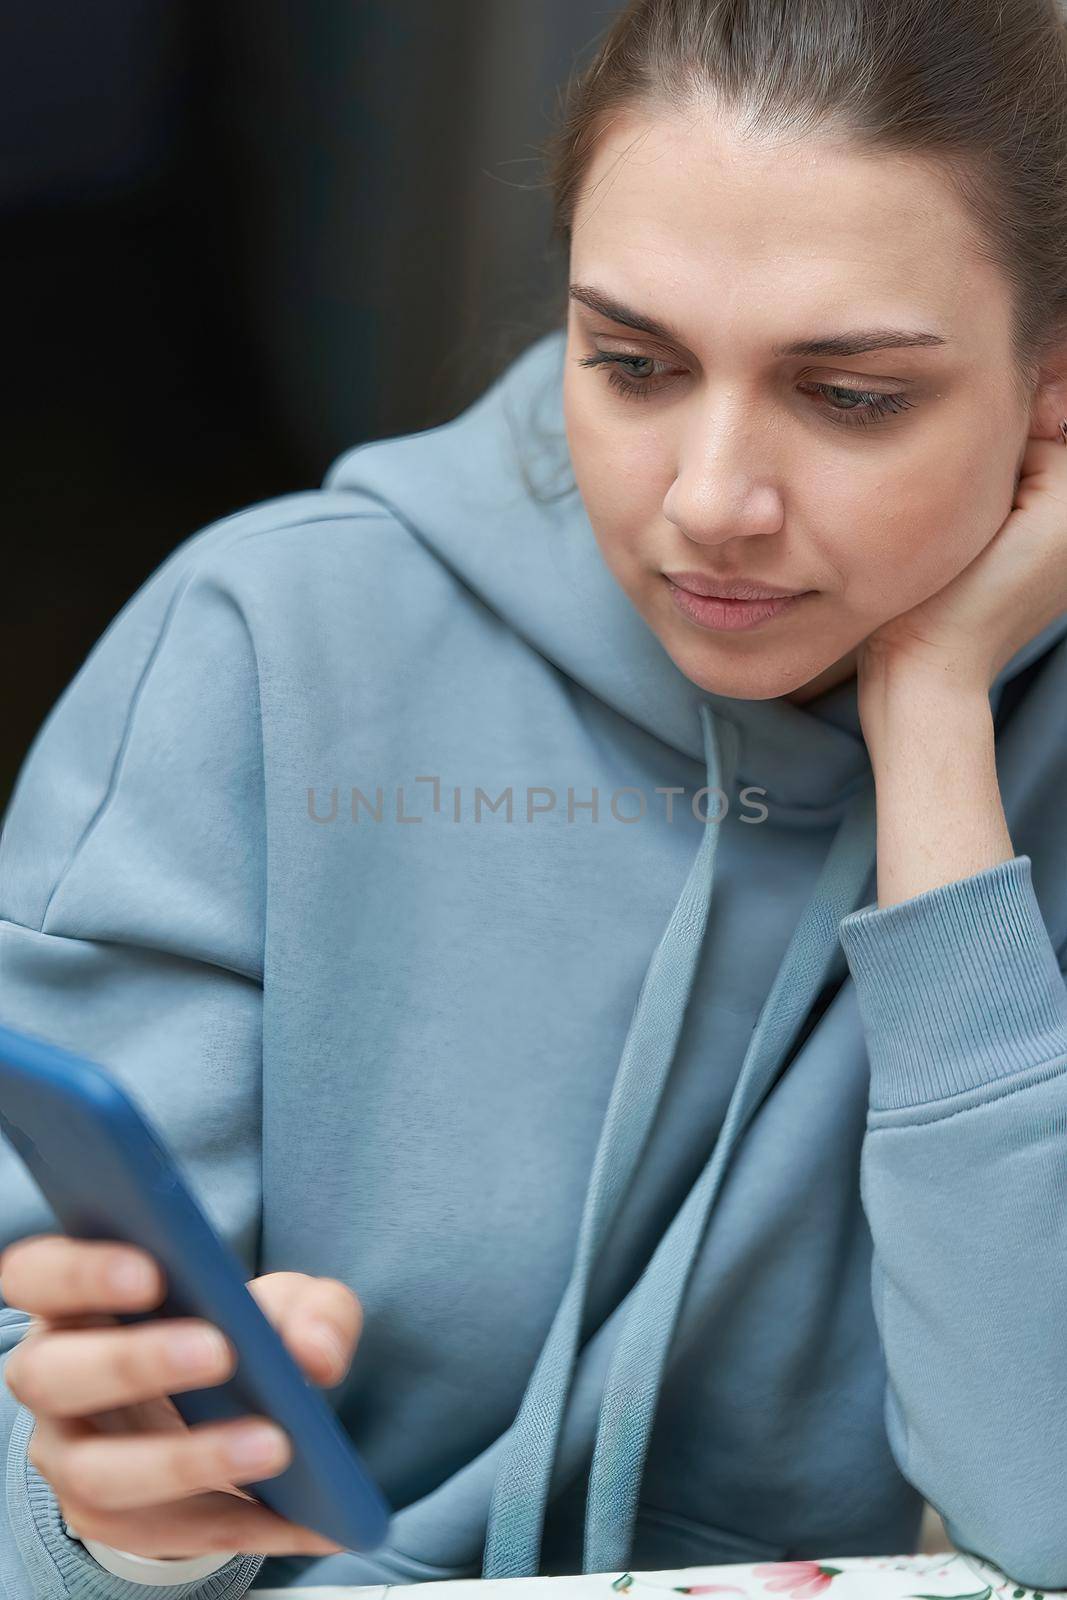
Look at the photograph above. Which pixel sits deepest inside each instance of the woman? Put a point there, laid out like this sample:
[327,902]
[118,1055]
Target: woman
[645,1014]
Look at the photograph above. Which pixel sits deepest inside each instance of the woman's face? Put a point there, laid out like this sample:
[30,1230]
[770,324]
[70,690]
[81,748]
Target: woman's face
[870,475]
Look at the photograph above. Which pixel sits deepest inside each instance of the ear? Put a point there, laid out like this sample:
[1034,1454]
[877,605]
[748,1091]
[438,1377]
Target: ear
[1049,404]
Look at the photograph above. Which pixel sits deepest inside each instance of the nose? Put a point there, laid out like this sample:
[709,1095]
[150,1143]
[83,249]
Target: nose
[723,488]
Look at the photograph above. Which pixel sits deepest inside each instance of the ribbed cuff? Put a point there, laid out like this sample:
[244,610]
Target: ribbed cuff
[957,986]
[61,1568]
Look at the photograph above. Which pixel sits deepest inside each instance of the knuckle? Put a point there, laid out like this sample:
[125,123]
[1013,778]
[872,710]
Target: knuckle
[182,1468]
[99,1488]
[128,1363]
[111,1496]
[82,1276]
[36,1454]
[21,1376]
[51,1466]
[81,1476]
[197,1464]
[84,1518]
[11,1379]
[13,1261]
[72,1510]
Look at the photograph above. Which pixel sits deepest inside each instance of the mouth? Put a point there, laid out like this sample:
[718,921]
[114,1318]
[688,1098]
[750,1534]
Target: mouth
[731,588]
[732,616]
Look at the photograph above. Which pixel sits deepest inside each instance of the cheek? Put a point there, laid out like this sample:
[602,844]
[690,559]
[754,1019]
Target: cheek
[622,466]
[912,530]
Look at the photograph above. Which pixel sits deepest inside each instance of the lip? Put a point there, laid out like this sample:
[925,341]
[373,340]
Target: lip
[731,616]
[730,588]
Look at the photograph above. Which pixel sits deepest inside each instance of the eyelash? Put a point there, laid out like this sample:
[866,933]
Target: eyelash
[877,406]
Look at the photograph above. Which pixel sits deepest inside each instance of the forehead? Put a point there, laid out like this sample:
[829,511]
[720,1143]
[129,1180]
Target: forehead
[680,204]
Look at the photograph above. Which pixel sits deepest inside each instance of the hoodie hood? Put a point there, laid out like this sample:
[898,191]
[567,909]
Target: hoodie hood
[462,491]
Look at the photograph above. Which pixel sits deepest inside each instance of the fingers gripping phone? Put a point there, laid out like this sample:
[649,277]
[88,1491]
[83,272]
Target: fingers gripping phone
[108,1175]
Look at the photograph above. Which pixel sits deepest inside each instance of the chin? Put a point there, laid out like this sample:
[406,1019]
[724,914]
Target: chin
[738,679]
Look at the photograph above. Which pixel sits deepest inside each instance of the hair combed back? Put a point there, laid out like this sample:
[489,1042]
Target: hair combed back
[977,88]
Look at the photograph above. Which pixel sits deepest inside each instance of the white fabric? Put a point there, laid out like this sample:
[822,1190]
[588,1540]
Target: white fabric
[943,1576]
[151,1569]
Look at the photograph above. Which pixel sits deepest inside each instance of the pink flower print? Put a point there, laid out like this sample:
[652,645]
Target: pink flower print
[801,1579]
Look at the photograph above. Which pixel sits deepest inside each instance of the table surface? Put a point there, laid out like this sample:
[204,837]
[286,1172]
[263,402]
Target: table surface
[945,1576]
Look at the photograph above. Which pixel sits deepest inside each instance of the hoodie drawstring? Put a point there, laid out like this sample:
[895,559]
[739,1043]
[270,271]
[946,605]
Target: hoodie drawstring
[520,1492]
[517,1508]
[632,1386]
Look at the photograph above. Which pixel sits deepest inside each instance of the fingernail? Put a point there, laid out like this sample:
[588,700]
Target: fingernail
[260,1446]
[129,1276]
[330,1340]
[196,1349]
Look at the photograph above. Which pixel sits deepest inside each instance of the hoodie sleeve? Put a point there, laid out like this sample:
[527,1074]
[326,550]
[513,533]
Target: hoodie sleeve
[964,1184]
[131,929]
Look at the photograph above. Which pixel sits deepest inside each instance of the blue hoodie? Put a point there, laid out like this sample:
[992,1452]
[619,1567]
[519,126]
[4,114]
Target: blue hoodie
[700,1210]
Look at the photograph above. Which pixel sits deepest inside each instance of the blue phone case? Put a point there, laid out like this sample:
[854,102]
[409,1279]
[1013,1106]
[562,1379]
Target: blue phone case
[107,1175]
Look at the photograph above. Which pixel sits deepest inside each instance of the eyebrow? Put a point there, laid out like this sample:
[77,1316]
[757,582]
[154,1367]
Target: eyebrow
[854,343]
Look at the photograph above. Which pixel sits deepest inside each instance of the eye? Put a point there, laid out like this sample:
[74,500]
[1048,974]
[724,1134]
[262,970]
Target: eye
[851,408]
[615,371]
[861,406]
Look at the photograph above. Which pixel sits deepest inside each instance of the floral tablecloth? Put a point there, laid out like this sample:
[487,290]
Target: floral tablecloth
[948,1576]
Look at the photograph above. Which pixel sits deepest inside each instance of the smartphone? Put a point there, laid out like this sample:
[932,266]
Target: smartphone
[107,1174]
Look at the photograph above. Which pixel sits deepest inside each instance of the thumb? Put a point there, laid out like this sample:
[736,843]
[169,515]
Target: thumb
[320,1320]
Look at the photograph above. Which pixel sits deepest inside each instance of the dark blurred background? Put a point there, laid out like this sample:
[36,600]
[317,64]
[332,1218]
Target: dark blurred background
[236,238]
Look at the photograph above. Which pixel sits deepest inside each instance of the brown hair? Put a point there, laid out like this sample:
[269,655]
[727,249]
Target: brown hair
[976,88]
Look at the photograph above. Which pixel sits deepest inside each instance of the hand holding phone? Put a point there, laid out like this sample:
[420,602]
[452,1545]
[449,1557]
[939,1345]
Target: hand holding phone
[124,1466]
[114,1187]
